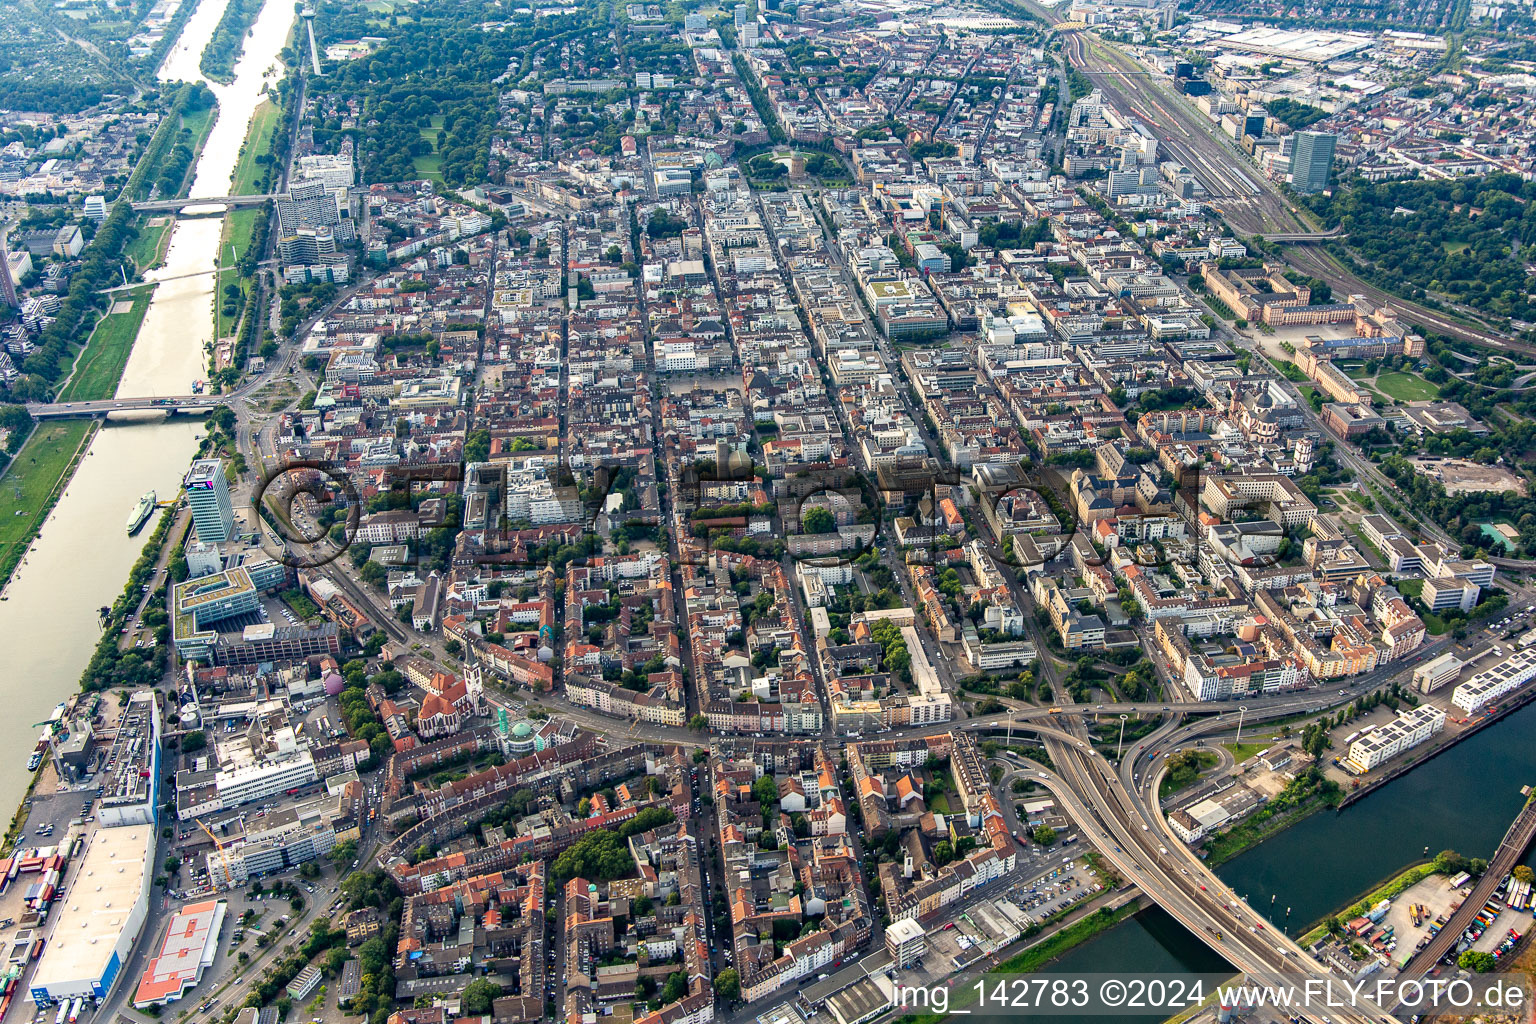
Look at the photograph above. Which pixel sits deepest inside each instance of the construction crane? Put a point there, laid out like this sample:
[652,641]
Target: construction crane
[229,880]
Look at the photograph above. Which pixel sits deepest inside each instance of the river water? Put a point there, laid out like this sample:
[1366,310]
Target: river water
[82,555]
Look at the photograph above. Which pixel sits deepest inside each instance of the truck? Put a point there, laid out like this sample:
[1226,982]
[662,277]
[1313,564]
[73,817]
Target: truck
[74,1010]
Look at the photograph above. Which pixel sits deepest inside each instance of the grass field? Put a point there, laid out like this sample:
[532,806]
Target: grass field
[106,351]
[145,250]
[38,474]
[1243,751]
[240,225]
[429,167]
[1406,387]
[258,144]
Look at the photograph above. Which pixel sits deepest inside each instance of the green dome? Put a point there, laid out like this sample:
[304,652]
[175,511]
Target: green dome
[521,729]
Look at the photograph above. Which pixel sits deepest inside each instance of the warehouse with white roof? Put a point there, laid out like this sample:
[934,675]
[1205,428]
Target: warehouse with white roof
[100,919]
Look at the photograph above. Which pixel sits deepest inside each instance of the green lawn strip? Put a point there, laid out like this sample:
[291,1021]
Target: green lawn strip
[101,362]
[38,472]
[258,143]
[1243,751]
[200,124]
[1393,888]
[429,167]
[239,225]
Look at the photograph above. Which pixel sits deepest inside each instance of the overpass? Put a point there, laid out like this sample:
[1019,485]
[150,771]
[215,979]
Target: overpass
[1137,847]
[1511,848]
[1306,237]
[169,406]
[172,205]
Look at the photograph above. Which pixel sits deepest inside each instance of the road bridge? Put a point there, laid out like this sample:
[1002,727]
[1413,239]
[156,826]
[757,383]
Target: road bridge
[173,205]
[1513,846]
[1088,787]
[92,410]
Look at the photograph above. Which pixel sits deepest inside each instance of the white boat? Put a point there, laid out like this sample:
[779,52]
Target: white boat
[140,513]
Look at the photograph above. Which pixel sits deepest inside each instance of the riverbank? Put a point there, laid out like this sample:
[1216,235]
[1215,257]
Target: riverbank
[1418,758]
[1250,833]
[99,366]
[38,474]
[1391,888]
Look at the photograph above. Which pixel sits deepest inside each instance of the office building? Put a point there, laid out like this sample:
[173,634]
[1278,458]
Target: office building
[335,171]
[7,280]
[906,941]
[222,601]
[1312,161]
[1432,675]
[1408,729]
[284,839]
[1491,684]
[131,788]
[309,245]
[310,203]
[208,495]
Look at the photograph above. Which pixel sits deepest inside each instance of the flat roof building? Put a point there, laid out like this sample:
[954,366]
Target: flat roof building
[190,944]
[100,919]
[906,941]
[132,786]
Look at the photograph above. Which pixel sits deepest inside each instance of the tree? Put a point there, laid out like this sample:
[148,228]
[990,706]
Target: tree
[818,520]
[194,741]
[599,855]
[1477,960]
[478,996]
[943,852]
[1522,873]
[766,790]
[728,985]
[1044,835]
[1449,862]
[698,723]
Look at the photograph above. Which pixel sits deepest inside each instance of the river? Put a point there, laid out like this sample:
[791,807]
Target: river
[82,554]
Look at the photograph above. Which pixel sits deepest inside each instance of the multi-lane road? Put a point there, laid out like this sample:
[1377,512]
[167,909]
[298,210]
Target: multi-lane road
[1131,835]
